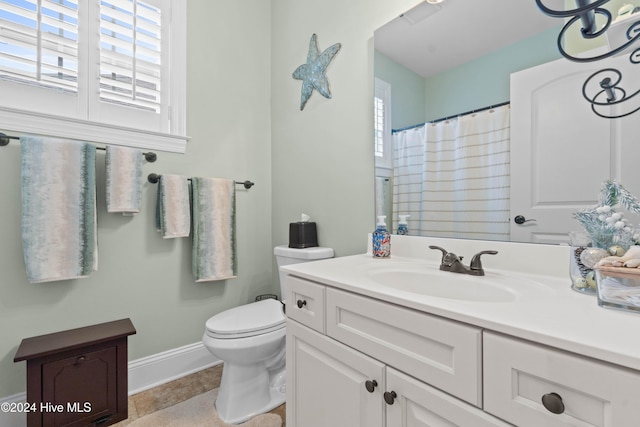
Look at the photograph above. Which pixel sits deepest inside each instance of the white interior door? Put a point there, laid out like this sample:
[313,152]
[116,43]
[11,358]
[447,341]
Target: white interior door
[561,152]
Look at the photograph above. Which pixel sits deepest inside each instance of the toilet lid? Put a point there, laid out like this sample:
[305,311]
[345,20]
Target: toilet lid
[247,320]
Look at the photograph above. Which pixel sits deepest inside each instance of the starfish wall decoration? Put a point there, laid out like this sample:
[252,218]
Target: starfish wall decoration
[312,73]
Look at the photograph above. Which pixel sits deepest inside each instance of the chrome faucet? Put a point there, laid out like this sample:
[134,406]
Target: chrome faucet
[452,262]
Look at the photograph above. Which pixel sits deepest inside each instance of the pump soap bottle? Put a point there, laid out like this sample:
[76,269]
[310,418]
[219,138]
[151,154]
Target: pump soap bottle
[403,228]
[381,239]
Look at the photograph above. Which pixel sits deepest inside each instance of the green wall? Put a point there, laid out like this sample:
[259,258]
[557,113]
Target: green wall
[475,84]
[322,157]
[408,105]
[140,275]
[485,81]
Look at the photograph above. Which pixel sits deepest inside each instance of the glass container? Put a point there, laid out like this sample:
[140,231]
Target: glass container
[619,287]
[583,278]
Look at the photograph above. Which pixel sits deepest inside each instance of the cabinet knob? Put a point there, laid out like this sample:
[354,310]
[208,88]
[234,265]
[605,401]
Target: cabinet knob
[390,397]
[371,385]
[553,403]
[301,303]
[80,359]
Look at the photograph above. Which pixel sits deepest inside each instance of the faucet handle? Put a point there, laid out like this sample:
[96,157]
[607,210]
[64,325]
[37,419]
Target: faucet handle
[476,264]
[444,252]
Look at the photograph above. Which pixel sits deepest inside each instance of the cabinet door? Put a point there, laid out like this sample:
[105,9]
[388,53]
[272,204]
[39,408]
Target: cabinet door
[582,392]
[326,383]
[420,405]
[81,388]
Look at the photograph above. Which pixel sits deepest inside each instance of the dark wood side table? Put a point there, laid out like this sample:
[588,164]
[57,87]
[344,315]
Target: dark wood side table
[77,377]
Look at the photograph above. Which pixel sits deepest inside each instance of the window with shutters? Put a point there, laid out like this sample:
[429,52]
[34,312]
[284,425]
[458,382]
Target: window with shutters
[108,71]
[382,123]
[130,54]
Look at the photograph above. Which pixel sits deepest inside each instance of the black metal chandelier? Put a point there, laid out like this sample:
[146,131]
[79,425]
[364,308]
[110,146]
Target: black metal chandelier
[602,89]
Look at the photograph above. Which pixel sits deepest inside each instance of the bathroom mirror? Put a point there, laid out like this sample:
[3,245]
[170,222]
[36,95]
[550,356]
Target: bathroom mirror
[462,53]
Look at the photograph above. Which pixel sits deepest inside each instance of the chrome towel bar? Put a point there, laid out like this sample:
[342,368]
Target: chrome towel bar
[154,178]
[6,139]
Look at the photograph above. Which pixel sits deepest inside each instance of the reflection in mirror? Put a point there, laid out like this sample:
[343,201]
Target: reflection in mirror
[542,158]
[609,35]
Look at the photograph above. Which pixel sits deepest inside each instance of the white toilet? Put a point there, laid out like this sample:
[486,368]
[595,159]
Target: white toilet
[250,340]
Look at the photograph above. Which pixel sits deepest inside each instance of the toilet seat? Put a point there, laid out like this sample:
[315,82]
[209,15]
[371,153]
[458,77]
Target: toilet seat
[248,320]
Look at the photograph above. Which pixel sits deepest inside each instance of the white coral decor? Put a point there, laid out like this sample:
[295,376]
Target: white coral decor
[605,224]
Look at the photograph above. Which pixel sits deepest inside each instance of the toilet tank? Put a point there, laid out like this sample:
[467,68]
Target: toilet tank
[287,256]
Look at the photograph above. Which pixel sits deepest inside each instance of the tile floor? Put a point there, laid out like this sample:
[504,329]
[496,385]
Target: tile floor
[177,391]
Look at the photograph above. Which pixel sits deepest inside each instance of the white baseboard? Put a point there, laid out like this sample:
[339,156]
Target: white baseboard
[160,368]
[12,419]
[144,373]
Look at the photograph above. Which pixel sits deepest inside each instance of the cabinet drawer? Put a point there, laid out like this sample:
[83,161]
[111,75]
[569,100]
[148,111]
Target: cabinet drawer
[305,302]
[419,404]
[517,374]
[443,353]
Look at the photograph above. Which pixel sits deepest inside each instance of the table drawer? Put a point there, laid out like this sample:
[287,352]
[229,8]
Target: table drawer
[440,352]
[305,302]
[586,392]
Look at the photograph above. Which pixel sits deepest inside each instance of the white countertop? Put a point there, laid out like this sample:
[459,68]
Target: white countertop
[548,312]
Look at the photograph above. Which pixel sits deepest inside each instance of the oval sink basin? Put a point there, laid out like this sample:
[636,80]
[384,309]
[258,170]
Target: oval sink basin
[429,281]
[460,287]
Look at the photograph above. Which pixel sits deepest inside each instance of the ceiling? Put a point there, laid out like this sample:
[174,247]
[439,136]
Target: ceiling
[430,38]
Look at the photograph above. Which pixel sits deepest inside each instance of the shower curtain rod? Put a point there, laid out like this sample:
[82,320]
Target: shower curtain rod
[477,110]
[6,139]
[154,178]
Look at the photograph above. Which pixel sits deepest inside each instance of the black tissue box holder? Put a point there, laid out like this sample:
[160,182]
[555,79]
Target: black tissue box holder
[303,235]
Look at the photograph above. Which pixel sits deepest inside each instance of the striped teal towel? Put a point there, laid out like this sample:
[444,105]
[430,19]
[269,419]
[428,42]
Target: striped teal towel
[59,235]
[173,212]
[214,229]
[124,180]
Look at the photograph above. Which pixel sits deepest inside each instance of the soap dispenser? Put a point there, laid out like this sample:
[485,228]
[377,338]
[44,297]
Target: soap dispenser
[381,239]
[403,228]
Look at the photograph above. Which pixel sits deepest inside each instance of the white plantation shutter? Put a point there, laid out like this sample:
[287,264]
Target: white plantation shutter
[130,53]
[378,121]
[382,123]
[39,43]
[100,70]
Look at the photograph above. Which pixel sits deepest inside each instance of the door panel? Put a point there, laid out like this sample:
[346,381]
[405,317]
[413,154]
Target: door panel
[561,152]
[322,370]
[420,405]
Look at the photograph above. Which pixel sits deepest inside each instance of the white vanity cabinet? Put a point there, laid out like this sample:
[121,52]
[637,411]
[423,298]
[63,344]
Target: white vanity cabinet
[545,357]
[378,364]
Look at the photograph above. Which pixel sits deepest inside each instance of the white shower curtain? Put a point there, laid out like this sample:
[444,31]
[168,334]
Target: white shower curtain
[452,176]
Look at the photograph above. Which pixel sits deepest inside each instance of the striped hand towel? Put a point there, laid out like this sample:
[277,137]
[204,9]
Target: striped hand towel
[124,180]
[59,233]
[173,213]
[214,229]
